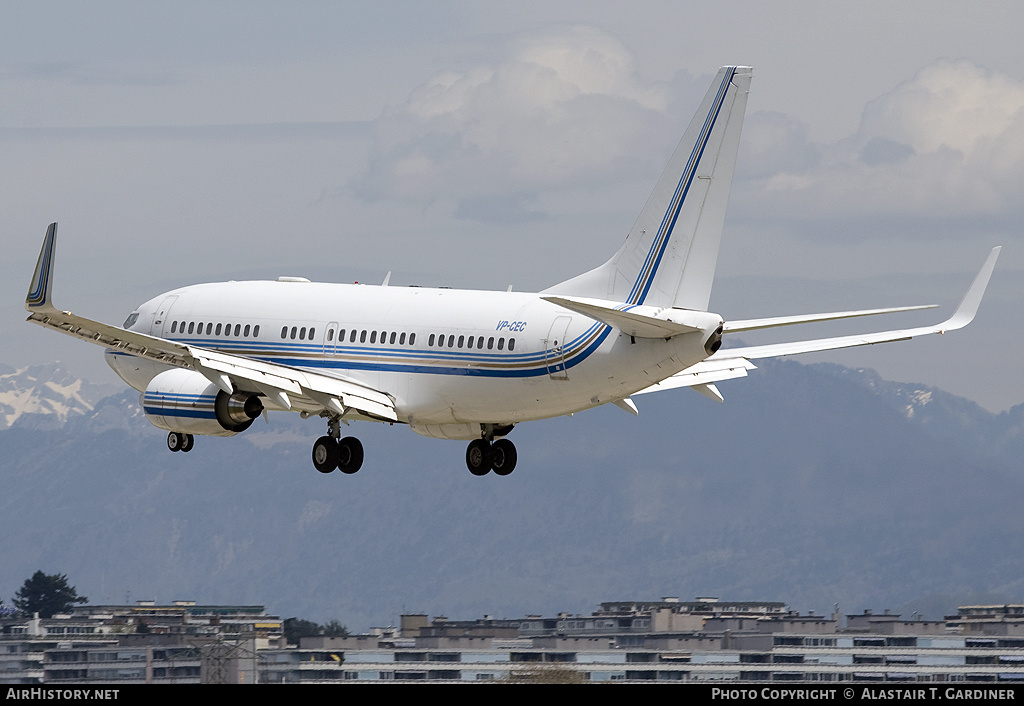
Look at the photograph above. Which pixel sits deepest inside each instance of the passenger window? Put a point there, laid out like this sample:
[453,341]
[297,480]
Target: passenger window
[479,342]
[501,343]
[295,330]
[373,336]
[352,338]
[284,332]
[256,331]
[245,331]
[191,326]
[312,333]
[461,339]
[412,338]
[174,327]
[451,341]
[490,343]
[511,344]
[393,334]
[469,342]
[238,328]
[330,334]
[430,341]
[362,336]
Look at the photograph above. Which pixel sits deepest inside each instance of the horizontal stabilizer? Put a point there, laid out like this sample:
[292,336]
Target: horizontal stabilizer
[630,323]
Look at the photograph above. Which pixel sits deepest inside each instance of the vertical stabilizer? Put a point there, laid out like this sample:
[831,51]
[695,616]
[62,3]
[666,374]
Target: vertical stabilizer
[670,254]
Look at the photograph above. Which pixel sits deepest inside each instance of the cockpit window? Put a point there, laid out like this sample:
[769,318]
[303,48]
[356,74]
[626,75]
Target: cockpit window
[130,321]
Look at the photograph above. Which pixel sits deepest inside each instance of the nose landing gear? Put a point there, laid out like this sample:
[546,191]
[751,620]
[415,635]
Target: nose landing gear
[177,441]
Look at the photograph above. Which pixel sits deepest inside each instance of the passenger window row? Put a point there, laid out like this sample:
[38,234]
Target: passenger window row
[363,335]
[298,332]
[191,327]
[477,342]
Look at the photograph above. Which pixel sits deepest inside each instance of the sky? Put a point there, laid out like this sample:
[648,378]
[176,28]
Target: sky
[488,144]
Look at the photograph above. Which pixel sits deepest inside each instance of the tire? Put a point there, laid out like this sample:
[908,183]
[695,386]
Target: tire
[325,454]
[175,441]
[188,441]
[505,457]
[350,455]
[478,457]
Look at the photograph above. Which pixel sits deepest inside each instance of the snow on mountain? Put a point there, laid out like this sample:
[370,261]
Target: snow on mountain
[46,392]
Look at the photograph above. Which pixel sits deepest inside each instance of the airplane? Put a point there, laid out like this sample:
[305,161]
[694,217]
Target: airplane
[208,359]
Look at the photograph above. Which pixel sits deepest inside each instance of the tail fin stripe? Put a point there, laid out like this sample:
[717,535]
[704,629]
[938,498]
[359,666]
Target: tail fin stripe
[647,273]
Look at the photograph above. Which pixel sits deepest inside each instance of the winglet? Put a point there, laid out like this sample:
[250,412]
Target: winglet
[964,313]
[38,299]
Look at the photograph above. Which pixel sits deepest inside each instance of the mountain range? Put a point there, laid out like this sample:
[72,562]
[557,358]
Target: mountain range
[815,485]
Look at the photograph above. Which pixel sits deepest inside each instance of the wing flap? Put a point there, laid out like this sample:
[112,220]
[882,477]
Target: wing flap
[704,373]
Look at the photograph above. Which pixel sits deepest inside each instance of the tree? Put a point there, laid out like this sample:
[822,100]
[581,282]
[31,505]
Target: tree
[47,594]
[295,629]
[335,629]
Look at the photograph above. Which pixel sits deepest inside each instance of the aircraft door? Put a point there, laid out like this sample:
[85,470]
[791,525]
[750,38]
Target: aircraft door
[331,339]
[162,317]
[554,348]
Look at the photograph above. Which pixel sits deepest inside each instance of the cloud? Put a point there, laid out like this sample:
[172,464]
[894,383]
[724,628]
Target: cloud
[948,143]
[563,107]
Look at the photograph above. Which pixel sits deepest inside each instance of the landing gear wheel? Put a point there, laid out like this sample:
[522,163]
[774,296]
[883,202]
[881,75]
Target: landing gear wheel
[187,443]
[504,457]
[478,457]
[175,441]
[325,454]
[350,454]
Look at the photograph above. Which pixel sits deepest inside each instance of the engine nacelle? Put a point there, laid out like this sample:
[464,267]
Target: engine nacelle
[184,401]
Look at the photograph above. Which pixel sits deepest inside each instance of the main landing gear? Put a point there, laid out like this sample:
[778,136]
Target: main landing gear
[177,441]
[482,457]
[332,451]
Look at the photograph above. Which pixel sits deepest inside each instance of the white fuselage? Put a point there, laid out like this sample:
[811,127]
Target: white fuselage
[448,357]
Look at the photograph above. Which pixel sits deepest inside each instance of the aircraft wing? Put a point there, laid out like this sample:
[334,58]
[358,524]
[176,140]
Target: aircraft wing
[729,363]
[775,321]
[226,371]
